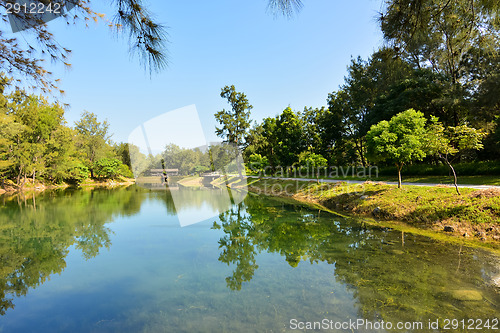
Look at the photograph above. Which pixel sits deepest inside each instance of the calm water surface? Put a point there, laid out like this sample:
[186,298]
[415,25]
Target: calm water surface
[118,261]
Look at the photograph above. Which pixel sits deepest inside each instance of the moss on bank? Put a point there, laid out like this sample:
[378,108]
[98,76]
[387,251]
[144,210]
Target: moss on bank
[472,217]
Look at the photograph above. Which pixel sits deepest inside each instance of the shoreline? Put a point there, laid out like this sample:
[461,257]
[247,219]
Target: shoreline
[349,202]
[40,187]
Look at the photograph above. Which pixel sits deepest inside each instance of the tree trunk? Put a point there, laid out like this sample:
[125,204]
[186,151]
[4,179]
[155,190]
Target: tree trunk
[399,166]
[363,162]
[24,181]
[454,174]
[18,181]
[359,148]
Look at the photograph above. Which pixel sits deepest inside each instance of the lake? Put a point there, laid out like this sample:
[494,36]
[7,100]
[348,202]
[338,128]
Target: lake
[119,261]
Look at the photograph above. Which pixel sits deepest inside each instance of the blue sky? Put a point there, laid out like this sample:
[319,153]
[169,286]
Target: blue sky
[276,62]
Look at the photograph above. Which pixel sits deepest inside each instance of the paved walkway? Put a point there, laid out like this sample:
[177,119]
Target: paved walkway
[390,183]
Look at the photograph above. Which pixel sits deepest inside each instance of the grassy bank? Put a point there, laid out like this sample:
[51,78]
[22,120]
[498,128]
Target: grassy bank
[29,186]
[445,180]
[472,217]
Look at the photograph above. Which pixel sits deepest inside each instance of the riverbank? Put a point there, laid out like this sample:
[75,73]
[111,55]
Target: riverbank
[10,188]
[473,217]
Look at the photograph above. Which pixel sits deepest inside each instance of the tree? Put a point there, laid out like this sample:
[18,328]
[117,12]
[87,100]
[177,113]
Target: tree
[400,140]
[235,122]
[313,162]
[289,137]
[423,88]
[258,162]
[9,131]
[438,34]
[351,108]
[107,168]
[452,140]
[40,142]
[122,151]
[262,139]
[24,57]
[311,119]
[93,139]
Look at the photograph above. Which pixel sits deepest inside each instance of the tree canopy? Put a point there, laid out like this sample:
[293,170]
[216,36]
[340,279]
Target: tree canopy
[235,122]
[400,140]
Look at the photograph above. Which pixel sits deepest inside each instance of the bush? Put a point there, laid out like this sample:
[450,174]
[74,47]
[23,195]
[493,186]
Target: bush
[124,170]
[77,174]
[257,162]
[107,168]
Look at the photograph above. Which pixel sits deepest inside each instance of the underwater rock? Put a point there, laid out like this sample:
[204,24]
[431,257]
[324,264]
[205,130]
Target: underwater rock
[466,295]
[496,281]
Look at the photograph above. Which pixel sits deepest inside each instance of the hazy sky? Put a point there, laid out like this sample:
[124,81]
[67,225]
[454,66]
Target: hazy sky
[276,62]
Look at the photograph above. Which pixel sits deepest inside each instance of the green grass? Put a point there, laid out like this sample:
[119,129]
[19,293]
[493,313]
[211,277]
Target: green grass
[431,208]
[445,180]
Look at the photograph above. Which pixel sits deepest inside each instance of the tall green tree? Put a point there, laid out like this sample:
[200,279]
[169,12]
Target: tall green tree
[93,139]
[438,34]
[235,122]
[33,150]
[312,120]
[400,140]
[351,108]
[289,137]
[447,142]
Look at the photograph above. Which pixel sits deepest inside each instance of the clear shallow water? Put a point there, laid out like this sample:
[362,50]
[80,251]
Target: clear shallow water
[118,261]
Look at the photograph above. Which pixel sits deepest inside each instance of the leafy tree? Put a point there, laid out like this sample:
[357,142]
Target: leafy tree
[452,140]
[438,34]
[289,137]
[257,162]
[9,131]
[35,148]
[107,168]
[93,139]
[423,88]
[481,75]
[400,140]
[263,140]
[122,151]
[341,127]
[313,162]
[351,109]
[235,122]
[311,119]
[77,174]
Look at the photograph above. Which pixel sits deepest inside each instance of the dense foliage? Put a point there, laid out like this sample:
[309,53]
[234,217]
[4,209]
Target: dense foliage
[441,58]
[37,145]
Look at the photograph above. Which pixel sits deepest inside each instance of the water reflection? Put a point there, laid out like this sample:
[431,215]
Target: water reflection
[393,276]
[36,233]
[315,264]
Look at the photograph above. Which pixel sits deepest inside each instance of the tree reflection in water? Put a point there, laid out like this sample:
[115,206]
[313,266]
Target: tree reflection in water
[393,276]
[36,233]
